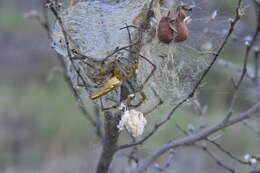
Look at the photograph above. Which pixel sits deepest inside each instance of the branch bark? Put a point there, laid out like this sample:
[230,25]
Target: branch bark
[110,141]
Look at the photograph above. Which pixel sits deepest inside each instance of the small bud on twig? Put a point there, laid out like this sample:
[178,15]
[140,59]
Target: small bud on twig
[241,12]
[214,15]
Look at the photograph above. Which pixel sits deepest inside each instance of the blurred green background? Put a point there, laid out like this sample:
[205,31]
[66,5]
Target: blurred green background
[42,129]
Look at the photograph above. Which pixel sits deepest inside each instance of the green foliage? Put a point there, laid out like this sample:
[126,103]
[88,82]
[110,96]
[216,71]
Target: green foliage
[52,105]
[10,18]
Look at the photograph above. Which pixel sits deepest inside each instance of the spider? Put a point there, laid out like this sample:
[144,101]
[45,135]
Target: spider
[122,71]
[109,75]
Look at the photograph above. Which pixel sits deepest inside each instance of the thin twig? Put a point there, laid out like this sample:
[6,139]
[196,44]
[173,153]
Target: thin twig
[228,153]
[237,85]
[188,140]
[218,161]
[221,148]
[130,157]
[46,24]
[249,46]
[236,68]
[251,128]
[168,163]
[204,148]
[256,74]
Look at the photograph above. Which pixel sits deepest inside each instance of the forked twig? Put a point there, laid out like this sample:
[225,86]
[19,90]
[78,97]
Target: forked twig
[188,140]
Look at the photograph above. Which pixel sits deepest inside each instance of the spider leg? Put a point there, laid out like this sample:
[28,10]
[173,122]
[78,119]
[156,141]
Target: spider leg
[129,26]
[111,107]
[128,101]
[154,67]
[129,34]
[117,104]
[139,89]
[141,101]
[151,73]
[131,84]
[84,84]
[103,77]
[122,70]
[134,74]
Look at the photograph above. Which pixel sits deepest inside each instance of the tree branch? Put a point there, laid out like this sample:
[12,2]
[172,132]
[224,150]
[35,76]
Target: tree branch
[110,140]
[197,137]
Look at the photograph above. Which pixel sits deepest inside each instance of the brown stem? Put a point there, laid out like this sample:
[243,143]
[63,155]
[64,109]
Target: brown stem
[110,141]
